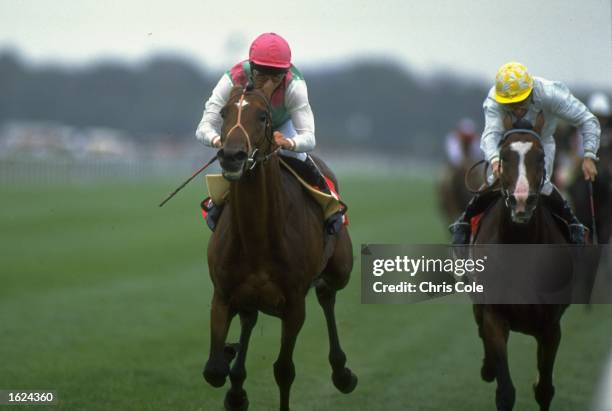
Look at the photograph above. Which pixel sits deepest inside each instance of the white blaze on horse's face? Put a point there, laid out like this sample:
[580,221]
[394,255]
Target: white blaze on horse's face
[521,189]
[241,103]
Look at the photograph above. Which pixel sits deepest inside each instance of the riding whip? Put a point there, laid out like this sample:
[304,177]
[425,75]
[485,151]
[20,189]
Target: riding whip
[187,181]
[590,184]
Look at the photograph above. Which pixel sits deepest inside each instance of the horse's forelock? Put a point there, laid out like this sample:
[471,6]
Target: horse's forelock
[524,137]
[238,91]
[512,137]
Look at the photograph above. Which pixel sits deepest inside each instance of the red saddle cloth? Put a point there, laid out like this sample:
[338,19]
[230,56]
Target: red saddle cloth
[475,222]
[205,206]
[207,202]
[332,188]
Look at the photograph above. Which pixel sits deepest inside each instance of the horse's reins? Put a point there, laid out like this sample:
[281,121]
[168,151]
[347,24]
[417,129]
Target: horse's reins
[484,176]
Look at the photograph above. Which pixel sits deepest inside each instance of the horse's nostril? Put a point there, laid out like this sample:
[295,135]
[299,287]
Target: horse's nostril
[240,156]
[232,155]
[531,199]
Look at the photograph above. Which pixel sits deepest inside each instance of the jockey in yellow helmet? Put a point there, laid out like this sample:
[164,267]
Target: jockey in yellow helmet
[523,98]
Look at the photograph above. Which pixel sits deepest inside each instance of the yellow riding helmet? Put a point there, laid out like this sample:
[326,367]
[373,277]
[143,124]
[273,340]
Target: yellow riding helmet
[513,83]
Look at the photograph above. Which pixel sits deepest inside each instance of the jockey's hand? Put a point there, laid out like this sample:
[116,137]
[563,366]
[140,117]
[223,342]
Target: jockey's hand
[216,142]
[283,142]
[495,168]
[589,169]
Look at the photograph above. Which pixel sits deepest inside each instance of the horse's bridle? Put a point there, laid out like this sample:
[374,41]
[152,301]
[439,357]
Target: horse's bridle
[253,156]
[507,196]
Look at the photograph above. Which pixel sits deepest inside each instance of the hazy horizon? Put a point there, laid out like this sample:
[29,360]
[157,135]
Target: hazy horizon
[565,41]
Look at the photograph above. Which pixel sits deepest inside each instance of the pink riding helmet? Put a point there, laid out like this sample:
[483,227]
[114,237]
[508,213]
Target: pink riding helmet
[271,50]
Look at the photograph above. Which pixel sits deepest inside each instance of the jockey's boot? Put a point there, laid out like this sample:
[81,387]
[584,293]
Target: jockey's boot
[311,173]
[559,206]
[461,229]
[213,212]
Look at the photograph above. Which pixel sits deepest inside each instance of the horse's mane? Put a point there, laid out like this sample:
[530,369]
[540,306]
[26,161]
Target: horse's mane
[521,126]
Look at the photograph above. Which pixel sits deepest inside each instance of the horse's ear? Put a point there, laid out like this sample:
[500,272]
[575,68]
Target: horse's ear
[539,123]
[507,121]
[268,88]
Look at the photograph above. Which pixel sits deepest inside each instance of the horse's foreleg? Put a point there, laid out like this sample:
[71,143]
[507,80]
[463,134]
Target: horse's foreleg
[236,398]
[217,366]
[284,370]
[487,371]
[548,343]
[343,377]
[495,331]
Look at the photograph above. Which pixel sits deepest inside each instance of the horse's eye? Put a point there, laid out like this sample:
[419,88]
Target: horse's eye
[263,118]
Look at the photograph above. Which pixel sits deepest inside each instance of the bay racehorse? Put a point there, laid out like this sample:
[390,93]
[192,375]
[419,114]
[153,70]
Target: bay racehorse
[453,190]
[520,216]
[268,250]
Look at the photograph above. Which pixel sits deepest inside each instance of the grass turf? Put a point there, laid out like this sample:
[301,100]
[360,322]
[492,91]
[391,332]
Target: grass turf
[105,298]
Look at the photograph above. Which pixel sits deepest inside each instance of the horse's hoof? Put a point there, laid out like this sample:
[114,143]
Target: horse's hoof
[215,374]
[345,381]
[543,395]
[236,401]
[487,373]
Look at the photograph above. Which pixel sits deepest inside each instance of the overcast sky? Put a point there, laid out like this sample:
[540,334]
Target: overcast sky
[567,40]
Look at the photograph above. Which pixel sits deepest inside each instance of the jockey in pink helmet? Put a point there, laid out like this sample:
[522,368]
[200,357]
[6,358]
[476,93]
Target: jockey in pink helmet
[292,118]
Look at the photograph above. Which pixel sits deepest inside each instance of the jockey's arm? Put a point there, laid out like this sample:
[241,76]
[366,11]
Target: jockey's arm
[493,130]
[296,99]
[567,107]
[209,129]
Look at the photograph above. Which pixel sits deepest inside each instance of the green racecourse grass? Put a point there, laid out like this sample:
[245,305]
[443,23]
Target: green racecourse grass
[105,298]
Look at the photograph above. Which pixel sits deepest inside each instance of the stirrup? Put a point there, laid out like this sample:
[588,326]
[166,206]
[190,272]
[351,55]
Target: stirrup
[577,233]
[213,212]
[334,223]
[461,232]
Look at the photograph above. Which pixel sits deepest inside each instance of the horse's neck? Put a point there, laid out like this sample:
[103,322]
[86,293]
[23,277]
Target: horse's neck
[258,209]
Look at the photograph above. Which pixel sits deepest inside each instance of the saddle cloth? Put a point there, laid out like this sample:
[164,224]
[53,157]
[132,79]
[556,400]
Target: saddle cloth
[218,189]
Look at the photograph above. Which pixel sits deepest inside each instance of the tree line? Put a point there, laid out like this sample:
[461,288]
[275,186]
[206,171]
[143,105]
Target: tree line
[361,103]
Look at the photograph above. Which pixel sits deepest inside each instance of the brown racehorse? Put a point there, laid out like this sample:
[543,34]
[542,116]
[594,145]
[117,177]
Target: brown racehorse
[521,219]
[453,195]
[269,248]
